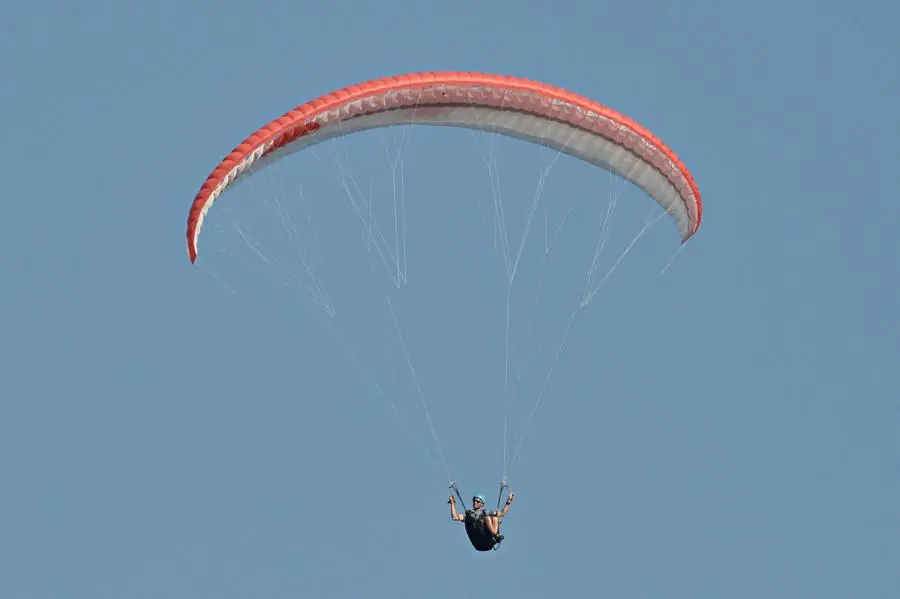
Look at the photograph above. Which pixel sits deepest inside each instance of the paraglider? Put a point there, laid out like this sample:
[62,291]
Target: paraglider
[515,107]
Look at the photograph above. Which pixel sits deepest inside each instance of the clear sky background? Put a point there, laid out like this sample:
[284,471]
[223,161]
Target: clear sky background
[726,429]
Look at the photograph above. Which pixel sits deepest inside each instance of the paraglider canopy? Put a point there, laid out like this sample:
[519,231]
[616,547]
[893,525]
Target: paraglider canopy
[512,106]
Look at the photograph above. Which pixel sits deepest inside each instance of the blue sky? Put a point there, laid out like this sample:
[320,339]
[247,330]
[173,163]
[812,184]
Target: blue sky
[726,429]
